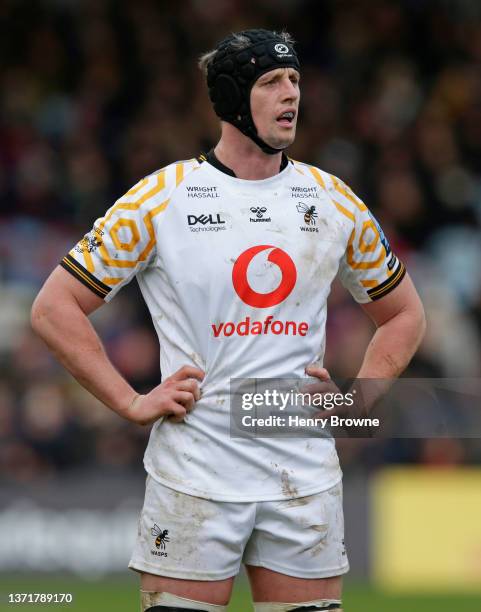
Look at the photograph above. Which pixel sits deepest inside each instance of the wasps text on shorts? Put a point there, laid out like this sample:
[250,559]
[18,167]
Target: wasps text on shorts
[309,213]
[161,537]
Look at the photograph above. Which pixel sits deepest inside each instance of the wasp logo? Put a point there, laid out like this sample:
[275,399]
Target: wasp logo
[309,213]
[161,537]
[310,216]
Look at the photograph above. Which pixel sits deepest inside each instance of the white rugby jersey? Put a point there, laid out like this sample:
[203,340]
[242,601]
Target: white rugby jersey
[236,275]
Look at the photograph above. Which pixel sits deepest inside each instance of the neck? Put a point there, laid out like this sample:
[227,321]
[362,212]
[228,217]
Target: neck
[244,157]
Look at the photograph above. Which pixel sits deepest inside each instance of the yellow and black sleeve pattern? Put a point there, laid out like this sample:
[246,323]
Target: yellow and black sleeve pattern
[122,242]
[83,275]
[389,284]
[369,268]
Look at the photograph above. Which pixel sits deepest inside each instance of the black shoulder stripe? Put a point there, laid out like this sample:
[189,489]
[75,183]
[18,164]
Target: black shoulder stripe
[84,276]
[389,284]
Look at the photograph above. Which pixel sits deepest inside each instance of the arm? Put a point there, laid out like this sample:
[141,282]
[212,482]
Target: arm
[60,317]
[400,321]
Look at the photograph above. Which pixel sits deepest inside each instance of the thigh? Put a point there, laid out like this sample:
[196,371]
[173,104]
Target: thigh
[302,538]
[267,585]
[212,591]
[189,538]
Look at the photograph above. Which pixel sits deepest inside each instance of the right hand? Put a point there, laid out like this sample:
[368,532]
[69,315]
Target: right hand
[173,398]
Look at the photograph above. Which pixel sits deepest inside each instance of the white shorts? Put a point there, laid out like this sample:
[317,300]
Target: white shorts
[181,536]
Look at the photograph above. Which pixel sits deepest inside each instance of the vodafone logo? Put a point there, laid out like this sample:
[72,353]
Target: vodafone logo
[264,300]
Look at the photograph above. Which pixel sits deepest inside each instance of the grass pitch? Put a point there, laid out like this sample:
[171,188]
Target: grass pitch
[122,596]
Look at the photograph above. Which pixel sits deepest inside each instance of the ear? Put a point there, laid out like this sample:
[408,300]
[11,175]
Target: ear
[227,95]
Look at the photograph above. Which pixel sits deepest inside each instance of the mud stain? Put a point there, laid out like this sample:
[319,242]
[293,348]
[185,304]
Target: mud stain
[220,401]
[196,511]
[196,358]
[300,501]
[316,550]
[288,490]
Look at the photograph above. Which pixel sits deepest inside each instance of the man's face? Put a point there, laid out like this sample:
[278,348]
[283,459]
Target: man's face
[272,96]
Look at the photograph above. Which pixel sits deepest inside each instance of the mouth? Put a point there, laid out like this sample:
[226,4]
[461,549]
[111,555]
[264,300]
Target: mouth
[286,119]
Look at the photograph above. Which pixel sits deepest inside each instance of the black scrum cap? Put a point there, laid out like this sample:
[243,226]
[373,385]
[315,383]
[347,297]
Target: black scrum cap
[232,73]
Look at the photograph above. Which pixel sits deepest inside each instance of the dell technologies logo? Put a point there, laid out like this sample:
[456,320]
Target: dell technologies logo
[206,223]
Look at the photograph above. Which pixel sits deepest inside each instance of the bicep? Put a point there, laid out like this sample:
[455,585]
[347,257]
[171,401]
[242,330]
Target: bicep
[403,298]
[62,288]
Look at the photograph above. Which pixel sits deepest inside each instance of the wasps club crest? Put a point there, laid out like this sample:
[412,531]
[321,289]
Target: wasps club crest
[161,537]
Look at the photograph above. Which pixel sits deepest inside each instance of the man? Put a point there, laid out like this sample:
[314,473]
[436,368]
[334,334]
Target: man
[234,253]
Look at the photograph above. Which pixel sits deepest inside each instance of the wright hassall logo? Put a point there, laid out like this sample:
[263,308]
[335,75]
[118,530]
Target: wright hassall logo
[202,191]
[204,223]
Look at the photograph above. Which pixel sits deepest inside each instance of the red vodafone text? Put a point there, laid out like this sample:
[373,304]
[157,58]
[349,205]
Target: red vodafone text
[257,328]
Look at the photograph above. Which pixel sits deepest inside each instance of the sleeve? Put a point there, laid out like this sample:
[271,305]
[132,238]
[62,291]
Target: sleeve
[122,243]
[369,269]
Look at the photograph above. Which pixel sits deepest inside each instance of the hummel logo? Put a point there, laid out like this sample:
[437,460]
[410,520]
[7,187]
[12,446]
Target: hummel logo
[259,212]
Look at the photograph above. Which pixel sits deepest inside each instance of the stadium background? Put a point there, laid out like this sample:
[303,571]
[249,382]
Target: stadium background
[96,94]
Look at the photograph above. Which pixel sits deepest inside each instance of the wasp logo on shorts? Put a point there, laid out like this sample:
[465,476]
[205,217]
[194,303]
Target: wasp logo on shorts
[263,300]
[161,537]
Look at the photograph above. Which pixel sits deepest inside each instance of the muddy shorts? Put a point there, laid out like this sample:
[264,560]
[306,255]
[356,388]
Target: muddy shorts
[187,537]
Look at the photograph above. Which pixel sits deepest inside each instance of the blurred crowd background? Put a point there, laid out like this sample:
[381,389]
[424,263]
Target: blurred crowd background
[95,94]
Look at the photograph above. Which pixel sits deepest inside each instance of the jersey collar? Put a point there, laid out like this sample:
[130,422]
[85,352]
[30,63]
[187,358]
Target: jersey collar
[211,158]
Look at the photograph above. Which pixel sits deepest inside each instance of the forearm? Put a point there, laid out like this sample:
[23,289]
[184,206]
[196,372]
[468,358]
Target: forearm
[387,356]
[69,334]
[393,346]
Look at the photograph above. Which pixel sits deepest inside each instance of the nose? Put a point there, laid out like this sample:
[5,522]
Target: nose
[290,90]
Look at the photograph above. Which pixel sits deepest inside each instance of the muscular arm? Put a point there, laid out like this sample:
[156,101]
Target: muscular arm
[400,323]
[60,317]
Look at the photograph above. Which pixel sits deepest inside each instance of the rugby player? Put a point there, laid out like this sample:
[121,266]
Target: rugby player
[234,253]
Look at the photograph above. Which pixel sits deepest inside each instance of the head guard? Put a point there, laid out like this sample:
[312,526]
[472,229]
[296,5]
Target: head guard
[232,73]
